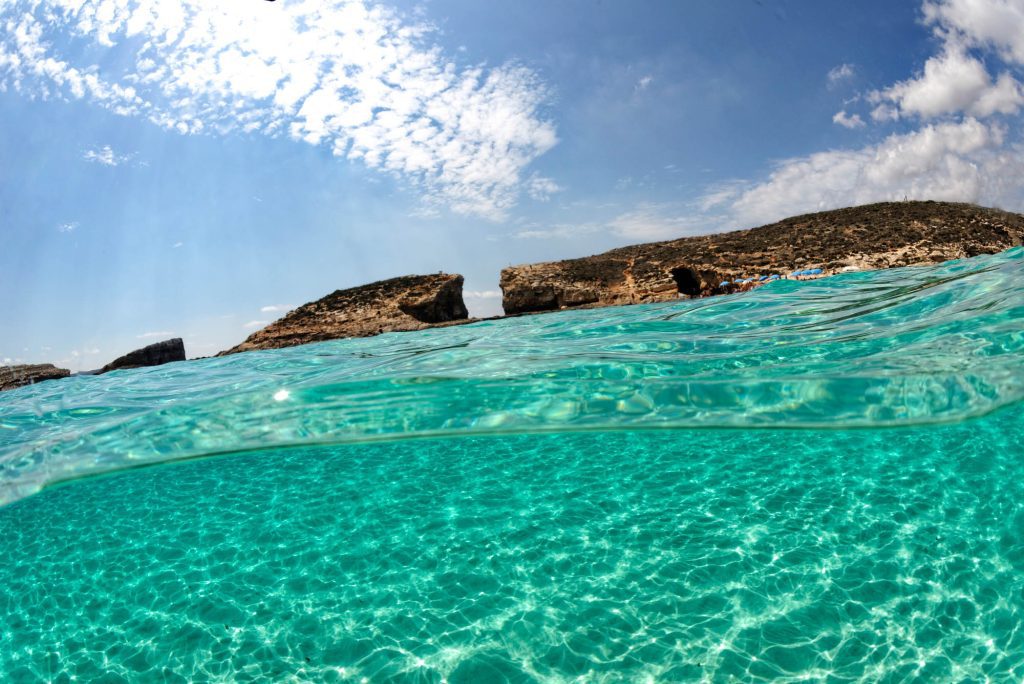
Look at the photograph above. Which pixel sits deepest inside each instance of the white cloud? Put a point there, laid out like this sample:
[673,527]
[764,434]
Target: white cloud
[840,73]
[652,221]
[989,24]
[720,194]
[884,112]
[350,75]
[847,121]
[954,82]
[67,227]
[177,244]
[255,324]
[960,158]
[105,155]
[482,294]
[275,308]
[563,231]
[644,83]
[159,333]
[541,188]
[648,221]
[963,161]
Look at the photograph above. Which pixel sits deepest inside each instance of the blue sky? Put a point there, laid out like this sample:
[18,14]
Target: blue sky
[194,169]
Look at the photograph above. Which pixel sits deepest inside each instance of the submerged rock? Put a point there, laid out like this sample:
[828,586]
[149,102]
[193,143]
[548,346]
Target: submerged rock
[16,376]
[409,302]
[151,355]
[872,236]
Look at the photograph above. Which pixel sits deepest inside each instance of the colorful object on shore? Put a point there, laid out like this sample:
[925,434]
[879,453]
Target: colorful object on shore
[816,479]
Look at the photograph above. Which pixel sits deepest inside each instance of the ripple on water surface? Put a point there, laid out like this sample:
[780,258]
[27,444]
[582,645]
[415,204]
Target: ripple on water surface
[653,556]
[900,347]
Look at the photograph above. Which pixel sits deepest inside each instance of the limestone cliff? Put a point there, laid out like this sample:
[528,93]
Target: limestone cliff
[16,376]
[867,237]
[405,303]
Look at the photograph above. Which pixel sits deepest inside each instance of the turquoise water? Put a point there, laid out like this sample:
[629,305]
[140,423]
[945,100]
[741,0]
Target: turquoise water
[815,481]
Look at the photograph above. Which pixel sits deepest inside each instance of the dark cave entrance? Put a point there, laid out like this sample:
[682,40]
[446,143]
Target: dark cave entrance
[687,282]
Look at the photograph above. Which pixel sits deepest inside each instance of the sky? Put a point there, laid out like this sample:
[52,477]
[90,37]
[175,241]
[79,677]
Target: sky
[195,169]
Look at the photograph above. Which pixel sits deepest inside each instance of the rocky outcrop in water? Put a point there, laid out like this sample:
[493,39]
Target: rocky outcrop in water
[873,236]
[409,302]
[151,355]
[17,376]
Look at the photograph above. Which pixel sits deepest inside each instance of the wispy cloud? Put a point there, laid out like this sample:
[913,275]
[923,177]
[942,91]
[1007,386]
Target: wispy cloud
[69,227]
[658,221]
[840,73]
[647,221]
[848,121]
[541,188]
[277,308]
[561,231]
[254,324]
[158,333]
[644,83]
[482,294]
[353,76]
[106,156]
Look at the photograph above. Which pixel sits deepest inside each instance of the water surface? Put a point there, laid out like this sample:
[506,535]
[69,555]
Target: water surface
[818,481]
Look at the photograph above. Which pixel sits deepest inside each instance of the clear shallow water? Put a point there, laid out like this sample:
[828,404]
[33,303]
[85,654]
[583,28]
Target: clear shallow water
[899,347]
[836,493]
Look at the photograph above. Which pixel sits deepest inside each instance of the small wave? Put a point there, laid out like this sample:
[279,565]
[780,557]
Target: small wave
[898,347]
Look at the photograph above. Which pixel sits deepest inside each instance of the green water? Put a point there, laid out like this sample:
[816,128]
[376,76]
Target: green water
[812,482]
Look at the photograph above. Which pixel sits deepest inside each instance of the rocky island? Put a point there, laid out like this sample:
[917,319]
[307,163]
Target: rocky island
[873,236]
[883,235]
[155,354]
[17,376]
[410,302]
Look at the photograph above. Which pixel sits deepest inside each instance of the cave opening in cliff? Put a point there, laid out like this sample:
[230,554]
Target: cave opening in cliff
[687,282]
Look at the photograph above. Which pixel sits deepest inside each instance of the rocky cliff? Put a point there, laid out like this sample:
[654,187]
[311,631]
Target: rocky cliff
[16,376]
[867,237]
[155,354]
[406,303]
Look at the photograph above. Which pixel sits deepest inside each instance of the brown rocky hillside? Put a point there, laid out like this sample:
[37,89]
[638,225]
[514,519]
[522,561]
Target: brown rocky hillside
[866,237]
[409,302]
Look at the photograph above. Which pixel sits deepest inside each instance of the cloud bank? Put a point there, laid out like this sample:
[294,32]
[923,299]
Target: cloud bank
[953,134]
[350,75]
[962,143]
[106,156]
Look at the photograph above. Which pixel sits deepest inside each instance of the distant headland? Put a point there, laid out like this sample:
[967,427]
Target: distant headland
[873,236]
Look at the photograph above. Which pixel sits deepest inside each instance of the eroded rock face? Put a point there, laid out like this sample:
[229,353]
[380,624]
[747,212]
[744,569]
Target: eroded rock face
[406,303]
[872,236]
[16,376]
[151,355]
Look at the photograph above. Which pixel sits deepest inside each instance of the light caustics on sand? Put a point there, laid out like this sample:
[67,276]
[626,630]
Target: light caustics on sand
[834,493]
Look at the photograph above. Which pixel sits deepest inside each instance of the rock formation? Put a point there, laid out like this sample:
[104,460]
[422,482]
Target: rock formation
[16,376]
[152,355]
[405,303]
[873,236]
